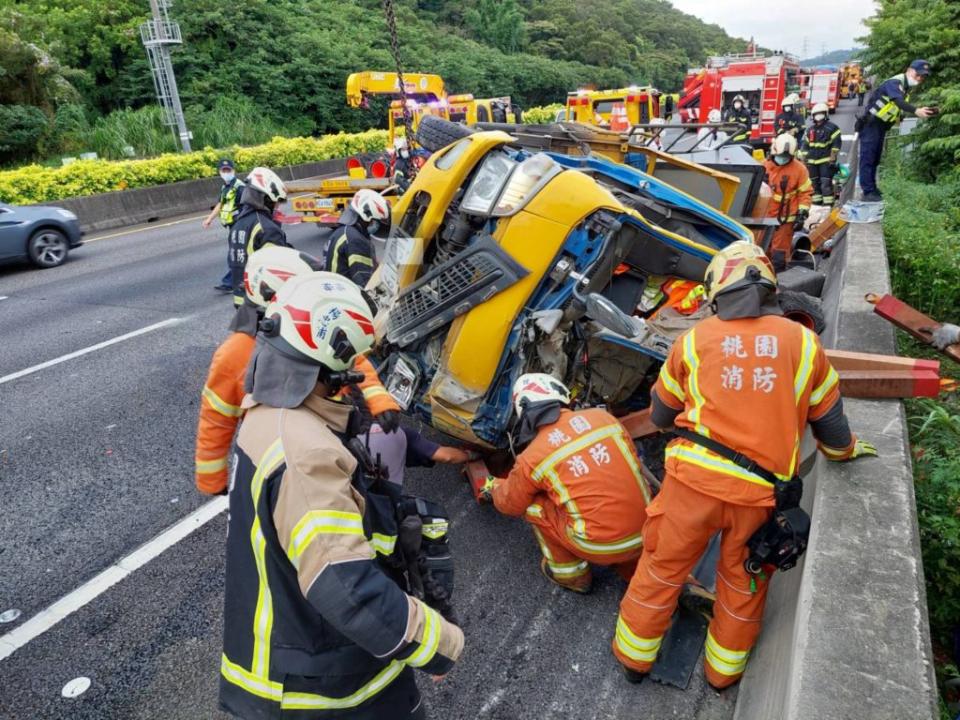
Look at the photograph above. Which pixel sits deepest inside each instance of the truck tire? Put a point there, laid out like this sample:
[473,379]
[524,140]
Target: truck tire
[804,309]
[435,133]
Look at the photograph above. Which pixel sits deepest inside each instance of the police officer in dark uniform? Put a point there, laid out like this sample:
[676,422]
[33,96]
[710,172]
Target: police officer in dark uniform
[255,227]
[885,108]
[227,207]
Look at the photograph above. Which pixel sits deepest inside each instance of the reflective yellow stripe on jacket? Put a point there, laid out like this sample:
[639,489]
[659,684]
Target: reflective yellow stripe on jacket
[219,404]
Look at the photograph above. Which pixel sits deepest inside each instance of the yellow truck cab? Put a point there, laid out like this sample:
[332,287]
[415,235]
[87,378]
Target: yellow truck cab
[595,107]
[468,110]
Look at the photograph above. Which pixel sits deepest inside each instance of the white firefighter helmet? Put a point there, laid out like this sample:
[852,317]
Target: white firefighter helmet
[268,269]
[268,182]
[784,144]
[324,318]
[370,205]
[792,99]
[820,108]
[714,116]
[740,98]
[538,387]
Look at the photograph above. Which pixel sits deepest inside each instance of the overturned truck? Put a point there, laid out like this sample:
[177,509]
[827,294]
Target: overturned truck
[561,249]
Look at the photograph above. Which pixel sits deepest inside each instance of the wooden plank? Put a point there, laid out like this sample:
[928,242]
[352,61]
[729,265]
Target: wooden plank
[638,424]
[911,320]
[889,383]
[846,360]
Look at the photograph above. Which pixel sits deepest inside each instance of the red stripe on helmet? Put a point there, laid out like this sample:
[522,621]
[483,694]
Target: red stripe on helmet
[362,321]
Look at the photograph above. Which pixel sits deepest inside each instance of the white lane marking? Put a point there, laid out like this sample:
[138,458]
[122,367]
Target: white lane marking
[4,297]
[142,229]
[847,138]
[92,348]
[70,603]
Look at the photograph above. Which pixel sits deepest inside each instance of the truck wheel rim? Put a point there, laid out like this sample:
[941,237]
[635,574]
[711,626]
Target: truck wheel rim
[50,248]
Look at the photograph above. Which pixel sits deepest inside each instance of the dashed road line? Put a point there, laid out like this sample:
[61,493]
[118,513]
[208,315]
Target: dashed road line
[90,590]
[92,348]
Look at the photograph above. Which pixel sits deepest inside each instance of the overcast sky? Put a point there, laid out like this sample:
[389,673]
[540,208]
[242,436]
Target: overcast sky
[783,25]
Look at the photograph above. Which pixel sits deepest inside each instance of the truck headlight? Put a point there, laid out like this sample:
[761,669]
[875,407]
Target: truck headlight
[485,188]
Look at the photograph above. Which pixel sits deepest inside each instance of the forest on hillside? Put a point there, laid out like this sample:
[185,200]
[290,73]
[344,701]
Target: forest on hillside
[74,76]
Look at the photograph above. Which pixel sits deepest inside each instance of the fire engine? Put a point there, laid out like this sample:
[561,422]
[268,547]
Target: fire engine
[763,80]
[821,85]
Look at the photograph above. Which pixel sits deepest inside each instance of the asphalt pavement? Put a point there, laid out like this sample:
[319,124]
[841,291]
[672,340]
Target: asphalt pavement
[96,459]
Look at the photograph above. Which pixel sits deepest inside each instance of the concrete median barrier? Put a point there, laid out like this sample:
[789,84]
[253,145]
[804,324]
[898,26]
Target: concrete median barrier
[846,633]
[143,205]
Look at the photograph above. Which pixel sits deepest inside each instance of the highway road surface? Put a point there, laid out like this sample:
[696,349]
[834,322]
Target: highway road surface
[112,562]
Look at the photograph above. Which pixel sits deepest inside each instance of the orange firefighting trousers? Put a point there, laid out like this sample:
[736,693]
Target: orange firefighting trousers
[569,564]
[680,523]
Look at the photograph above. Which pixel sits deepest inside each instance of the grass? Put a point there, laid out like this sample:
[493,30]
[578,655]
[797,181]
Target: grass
[922,231]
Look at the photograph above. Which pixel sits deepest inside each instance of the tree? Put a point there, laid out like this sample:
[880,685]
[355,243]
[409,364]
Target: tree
[498,23]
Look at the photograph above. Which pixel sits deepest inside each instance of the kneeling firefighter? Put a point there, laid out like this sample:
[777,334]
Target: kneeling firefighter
[254,227]
[313,625]
[740,388]
[577,482]
[220,412]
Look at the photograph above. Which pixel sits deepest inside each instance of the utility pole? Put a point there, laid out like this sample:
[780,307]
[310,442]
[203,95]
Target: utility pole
[158,36]
[806,41]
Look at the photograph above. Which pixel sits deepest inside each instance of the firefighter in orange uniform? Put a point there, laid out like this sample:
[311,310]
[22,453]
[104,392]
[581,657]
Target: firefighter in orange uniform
[746,381]
[577,482]
[220,412]
[792,191]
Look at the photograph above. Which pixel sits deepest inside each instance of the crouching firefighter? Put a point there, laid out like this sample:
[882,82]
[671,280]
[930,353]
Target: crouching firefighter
[740,388]
[577,482]
[220,412]
[313,627]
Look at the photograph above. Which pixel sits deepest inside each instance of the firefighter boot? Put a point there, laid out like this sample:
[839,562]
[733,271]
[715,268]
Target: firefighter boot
[581,583]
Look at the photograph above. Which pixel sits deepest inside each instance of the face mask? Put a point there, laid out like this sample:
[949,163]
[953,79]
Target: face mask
[781,159]
[227,177]
[819,118]
[912,81]
[373,226]
[737,105]
[404,153]
[788,108]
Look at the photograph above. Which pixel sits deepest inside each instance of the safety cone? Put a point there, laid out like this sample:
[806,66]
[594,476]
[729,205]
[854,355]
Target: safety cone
[618,118]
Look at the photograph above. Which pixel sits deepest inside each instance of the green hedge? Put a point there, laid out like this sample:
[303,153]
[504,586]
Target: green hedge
[542,114]
[36,184]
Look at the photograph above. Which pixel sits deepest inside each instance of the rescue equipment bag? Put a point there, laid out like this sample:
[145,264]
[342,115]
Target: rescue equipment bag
[782,539]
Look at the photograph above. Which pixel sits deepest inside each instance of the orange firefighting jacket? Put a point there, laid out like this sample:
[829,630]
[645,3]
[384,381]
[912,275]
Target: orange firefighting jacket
[586,464]
[792,192]
[220,409]
[751,384]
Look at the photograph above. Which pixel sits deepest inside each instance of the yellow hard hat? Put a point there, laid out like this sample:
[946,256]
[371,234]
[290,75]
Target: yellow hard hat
[739,264]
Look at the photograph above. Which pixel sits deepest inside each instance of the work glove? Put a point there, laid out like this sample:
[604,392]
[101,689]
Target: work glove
[389,420]
[801,219]
[945,335]
[486,492]
[862,449]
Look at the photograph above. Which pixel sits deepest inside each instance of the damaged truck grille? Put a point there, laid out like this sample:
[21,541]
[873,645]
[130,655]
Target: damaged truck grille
[461,283]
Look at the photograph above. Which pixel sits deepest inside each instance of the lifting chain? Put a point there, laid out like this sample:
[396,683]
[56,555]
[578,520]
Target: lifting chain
[390,13]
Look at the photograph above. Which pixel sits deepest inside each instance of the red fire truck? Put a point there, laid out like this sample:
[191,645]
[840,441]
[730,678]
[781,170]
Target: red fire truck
[821,85]
[763,80]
